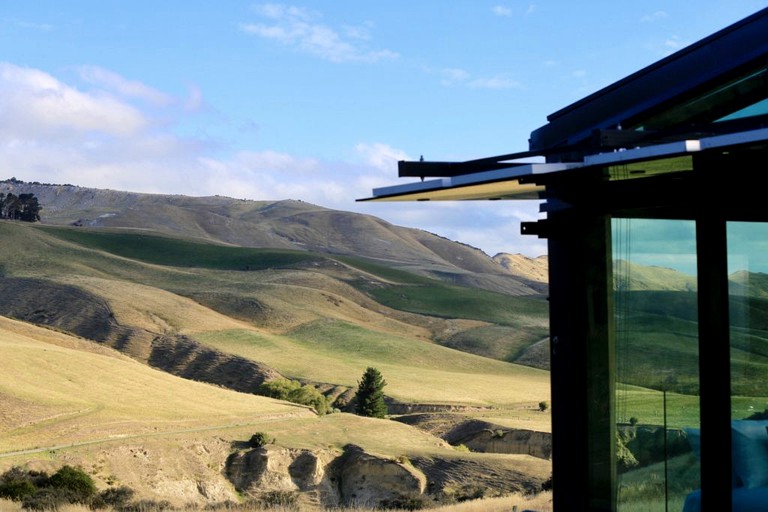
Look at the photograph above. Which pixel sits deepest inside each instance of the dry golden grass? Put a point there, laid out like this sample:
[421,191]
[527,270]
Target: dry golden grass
[513,503]
[55,389]
[416,371]
[68,400]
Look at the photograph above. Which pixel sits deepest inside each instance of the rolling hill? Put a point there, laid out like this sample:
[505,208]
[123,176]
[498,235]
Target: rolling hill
[286,224]
[113,287]
[136,327]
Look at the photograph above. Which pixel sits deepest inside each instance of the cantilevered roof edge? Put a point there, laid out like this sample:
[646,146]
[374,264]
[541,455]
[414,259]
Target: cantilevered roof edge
[720,54]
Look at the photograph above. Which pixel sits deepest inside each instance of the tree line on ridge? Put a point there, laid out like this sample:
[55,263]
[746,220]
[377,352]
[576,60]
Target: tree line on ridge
[24,207]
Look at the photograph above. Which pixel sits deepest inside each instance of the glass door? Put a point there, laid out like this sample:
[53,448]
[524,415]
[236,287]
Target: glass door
[748,305]
[657,374]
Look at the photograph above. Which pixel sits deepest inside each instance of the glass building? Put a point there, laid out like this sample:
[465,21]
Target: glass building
[656,219]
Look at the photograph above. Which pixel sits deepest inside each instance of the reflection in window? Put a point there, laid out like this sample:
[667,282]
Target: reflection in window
[748,291]
[657,402]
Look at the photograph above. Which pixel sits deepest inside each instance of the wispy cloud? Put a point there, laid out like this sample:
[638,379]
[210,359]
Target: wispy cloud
[453,76]
[657,15]
[667,46]
[507,12]
[42,27]
[33,102]
[381,156]
[674,43]
[53,132]
[501,10]
[302,29]
[496,82]
[457,77]
[129,88]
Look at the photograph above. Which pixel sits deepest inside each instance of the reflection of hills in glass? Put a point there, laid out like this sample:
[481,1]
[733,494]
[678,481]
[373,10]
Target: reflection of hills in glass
[635,277]
[656,321]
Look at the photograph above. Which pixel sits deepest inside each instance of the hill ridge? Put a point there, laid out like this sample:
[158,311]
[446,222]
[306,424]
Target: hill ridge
[281,224]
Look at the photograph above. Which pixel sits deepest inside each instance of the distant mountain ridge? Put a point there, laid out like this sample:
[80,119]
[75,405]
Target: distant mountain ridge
[287,224]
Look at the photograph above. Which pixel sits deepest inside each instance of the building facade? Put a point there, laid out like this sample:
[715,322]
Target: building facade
[656,217]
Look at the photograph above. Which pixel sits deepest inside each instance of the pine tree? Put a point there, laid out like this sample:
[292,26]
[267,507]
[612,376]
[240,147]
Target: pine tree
[370,395]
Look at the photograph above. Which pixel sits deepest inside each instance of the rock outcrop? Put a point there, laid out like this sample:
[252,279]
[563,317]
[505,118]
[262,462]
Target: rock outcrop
[482,436]
[325,478]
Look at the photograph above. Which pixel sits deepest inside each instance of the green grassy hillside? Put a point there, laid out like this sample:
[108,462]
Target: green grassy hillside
[224,314]
[308,316]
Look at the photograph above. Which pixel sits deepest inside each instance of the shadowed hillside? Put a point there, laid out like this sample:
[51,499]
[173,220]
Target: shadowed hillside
[286,224]
[236,317]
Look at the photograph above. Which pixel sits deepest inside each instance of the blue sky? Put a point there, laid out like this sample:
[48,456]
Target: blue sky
[313,100]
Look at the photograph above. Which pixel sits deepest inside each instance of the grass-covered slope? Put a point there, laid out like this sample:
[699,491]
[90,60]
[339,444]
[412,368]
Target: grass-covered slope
[75,400]
[308,316]
[286,224]
[58,390]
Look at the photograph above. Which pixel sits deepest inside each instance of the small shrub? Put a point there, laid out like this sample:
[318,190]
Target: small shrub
[293,391]
[462,448]
[116,497]
[260,439]
[404,503]
[79,484]
[278,388]
[37,478]
[633,421]
[280,499]
[49,499]
[543,406]
[146,505]
[17,489]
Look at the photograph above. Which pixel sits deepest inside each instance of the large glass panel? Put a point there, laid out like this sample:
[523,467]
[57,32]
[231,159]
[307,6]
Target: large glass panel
[657,388]
[748,286]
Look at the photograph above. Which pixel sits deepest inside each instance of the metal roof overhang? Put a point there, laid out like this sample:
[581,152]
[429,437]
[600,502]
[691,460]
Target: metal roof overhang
[521,181]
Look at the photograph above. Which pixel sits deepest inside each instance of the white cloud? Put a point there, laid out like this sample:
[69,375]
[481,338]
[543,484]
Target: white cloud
[674,43]
[54,133]
[454,77]
[124,87]
[497,82]
[667,46]
[501,10]
[381,156]
[657,15]
[42,27]
[35,103]
[300,28]
[194,100]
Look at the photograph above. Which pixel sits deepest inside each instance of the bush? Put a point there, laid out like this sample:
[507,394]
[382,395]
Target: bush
[74,480]
[16,489]
[260,439]
[293,391]
[17,483]
[49,499]
[116,497]
[404,503]
[146,505]
[308,395]
[278,388]
[543,406]
[280,499]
